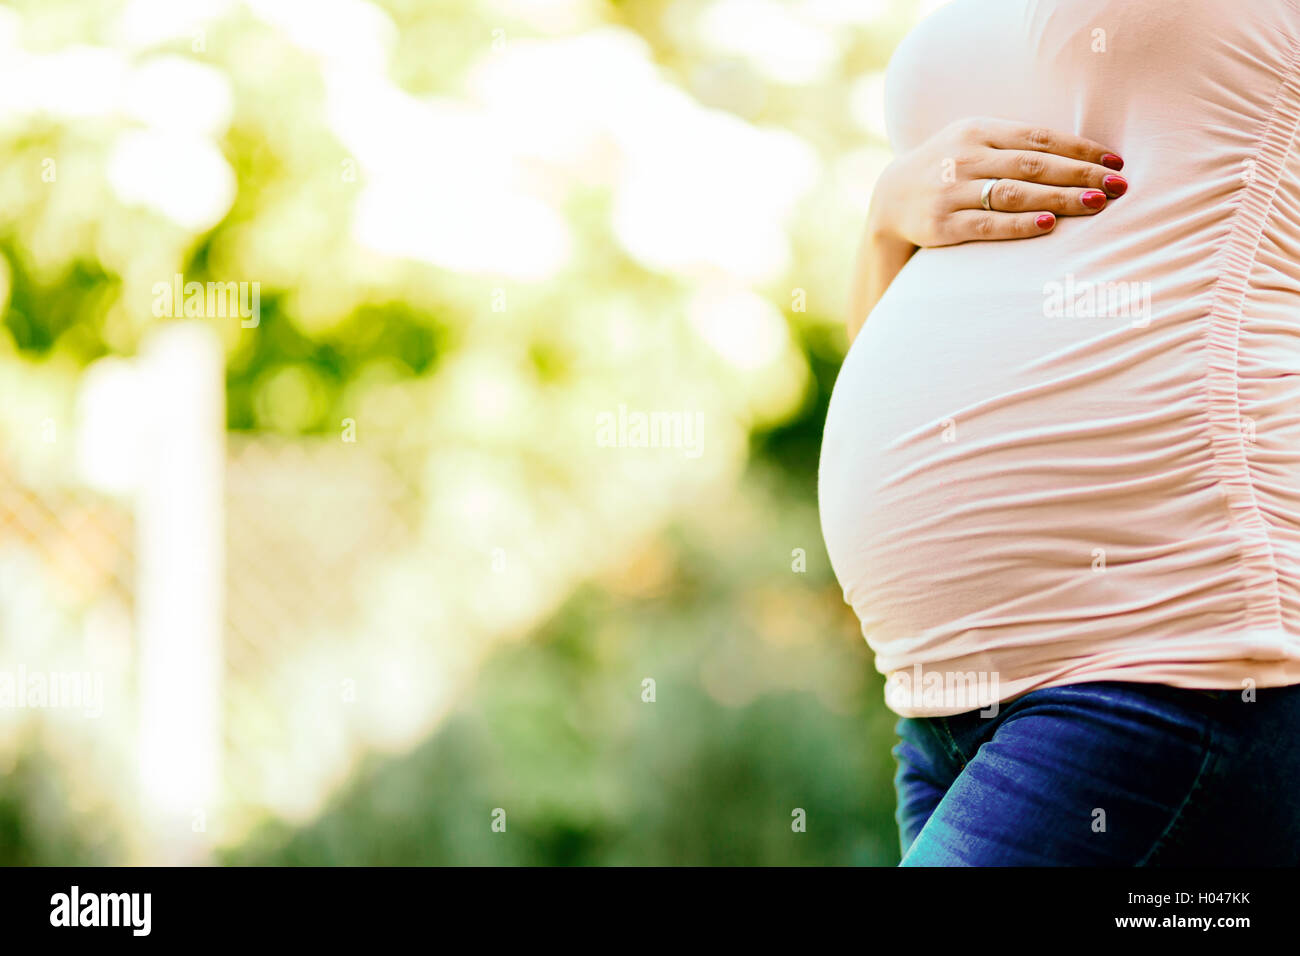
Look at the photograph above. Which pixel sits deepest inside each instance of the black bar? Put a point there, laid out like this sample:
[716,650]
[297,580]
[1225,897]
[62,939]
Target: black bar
[616,907]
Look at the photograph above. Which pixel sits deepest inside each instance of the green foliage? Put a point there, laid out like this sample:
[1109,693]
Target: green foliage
[403,340]
[69,306]
[38,827]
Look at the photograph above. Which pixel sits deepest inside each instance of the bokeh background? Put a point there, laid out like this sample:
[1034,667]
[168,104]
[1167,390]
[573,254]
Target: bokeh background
[362,579]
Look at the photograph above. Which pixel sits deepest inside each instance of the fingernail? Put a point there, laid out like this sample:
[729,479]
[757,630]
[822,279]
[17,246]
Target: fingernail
[1115,185]
[1093,198]
[1045,221]
[1111,161]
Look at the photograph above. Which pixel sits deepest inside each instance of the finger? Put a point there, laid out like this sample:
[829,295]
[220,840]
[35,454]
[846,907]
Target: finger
[1006,134]
[967,225]
[1012,195]
[1049,170]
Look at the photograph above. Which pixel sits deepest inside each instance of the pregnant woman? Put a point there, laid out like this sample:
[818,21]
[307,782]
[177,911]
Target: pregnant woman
[1060,477]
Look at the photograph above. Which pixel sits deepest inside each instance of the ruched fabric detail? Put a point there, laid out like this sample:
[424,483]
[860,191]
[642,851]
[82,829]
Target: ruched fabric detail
[1229,432]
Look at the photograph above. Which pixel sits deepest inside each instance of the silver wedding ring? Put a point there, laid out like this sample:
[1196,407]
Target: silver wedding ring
[987,194]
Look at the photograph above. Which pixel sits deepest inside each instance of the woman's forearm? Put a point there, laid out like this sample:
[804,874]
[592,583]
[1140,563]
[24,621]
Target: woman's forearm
[881,256]
[882,251]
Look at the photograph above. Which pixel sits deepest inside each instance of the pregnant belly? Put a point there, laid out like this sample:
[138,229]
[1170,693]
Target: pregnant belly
[1013,455]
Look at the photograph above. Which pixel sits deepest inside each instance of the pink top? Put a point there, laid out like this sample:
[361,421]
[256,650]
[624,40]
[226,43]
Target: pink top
[1077,457]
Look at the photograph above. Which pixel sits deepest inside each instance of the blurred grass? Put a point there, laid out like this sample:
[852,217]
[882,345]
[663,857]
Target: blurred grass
[555,732]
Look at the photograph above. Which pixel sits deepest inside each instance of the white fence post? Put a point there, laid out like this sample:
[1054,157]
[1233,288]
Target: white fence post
[180,584]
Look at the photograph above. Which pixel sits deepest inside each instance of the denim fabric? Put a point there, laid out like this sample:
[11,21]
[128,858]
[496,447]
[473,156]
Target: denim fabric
[1105,774]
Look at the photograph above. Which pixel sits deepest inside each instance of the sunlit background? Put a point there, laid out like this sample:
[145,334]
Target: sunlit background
[374,566]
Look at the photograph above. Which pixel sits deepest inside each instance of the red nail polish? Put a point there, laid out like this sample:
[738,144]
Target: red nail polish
[1093,199]
[1045,221]
[1115,185]
[1111,161]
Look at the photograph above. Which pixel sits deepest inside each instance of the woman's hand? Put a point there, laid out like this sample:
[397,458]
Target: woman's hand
[930,196]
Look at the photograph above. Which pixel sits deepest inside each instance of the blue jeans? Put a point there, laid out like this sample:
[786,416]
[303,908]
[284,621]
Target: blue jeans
[1105,774]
